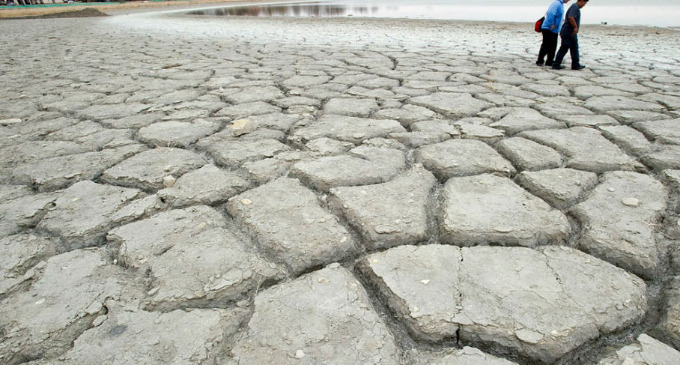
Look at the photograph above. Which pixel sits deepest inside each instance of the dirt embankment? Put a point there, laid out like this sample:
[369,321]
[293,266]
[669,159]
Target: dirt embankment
[98,9]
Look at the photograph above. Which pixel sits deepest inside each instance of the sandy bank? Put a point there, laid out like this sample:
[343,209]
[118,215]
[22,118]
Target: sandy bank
[20,11]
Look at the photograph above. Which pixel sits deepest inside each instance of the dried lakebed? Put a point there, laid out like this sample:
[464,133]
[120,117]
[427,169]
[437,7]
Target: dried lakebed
[183,190]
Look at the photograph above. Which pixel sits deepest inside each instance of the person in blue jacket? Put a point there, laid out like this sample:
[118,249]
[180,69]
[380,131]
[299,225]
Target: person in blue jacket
[569,35]
[550,29]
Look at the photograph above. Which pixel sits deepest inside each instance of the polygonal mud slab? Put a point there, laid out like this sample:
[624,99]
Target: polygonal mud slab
[480,132]
[585,148]
[208,185]
[18,255]
[646,350]
[465,356]
[215,265]
[290,225]
[133,121]
[529,155]
[80,130]
[549,90]
[453,105]
[113,111]
[269,169]
[305,81]
[290,326]
[632,116]
[389,214]
[94,138]
[440,126]
[525,119]
[418,139]
[83,213]
[246,110]
[505,77]
[59,172]
[346,128]
[628,139]
[670,321]
[148,169]
[542,303]
[662,131]
[322,92]
[32,129]
[327,146]
[297,101]
[488,209]
[278,121]
[362,166]
[177,134]
[617,103]
[586,91]
[559,187]
[557,108]
[251,94]
[227,135]
[70,293]
[37,150]
[351,107]
[145,338]
[619,219]
[672,102]
[234,153]
[365,93]
[24,212]
[462,158]
[666,157]
[588,120]
[406,115]
[506,100]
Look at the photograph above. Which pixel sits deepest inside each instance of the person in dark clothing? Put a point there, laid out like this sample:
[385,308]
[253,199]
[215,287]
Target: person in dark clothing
[550,29]
[569,35]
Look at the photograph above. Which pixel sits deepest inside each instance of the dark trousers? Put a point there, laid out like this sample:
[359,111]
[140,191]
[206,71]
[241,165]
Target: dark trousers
[569,43]
[548,47]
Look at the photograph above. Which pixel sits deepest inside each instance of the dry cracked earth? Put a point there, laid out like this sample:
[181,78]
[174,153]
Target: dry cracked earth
[183,189]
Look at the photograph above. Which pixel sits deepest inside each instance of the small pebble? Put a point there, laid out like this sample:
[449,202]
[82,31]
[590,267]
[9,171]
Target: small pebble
[246,201]
[503,229]
[99,320]
[631,202]
[169,181]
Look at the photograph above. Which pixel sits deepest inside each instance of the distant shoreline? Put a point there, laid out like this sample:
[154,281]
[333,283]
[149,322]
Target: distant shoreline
[18,12]
[68,10]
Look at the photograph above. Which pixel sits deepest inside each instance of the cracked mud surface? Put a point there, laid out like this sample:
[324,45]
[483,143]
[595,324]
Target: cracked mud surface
[179,189]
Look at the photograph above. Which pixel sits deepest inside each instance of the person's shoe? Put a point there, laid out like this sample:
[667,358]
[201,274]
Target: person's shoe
[548,64]
[578,67]
[558,67]
[539,63]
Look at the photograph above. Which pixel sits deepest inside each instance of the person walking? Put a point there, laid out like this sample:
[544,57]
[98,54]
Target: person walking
[569,35]
[550,30]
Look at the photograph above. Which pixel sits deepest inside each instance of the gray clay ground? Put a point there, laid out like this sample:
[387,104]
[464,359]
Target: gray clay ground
[191,190]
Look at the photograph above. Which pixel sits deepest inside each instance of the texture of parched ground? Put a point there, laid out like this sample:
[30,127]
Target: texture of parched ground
[183,189]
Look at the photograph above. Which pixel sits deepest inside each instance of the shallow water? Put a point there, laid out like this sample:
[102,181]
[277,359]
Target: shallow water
[620,12]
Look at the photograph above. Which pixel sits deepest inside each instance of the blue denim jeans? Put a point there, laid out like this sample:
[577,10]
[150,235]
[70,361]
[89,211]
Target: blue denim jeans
[569,43]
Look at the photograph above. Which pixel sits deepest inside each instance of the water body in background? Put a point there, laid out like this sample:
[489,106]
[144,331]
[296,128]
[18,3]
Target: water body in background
[664,13]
